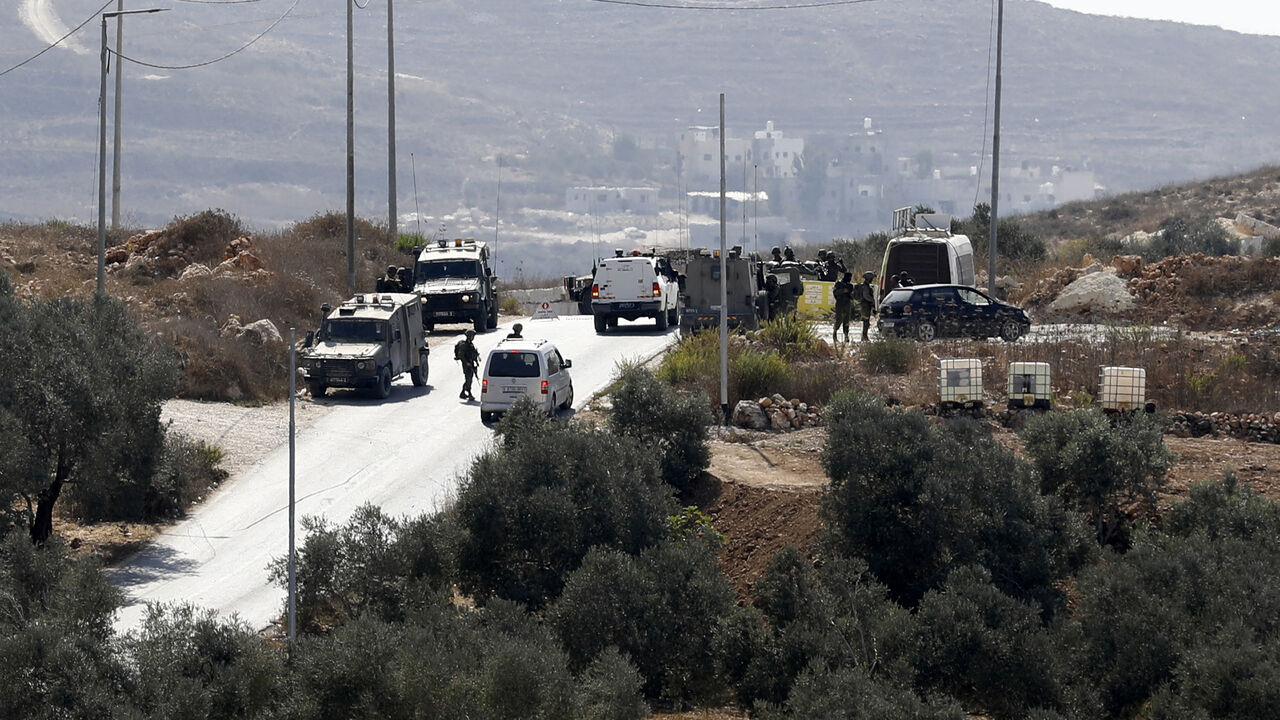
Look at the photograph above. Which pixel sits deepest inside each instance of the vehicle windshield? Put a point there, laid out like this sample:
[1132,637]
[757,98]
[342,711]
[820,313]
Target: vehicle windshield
[514,364]
[897,296]
[440,269]
[354,330]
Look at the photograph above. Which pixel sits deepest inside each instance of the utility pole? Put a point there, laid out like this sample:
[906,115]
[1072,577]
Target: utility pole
[995,160]
[351,157]
[393,223]
[724,284]
[115,157]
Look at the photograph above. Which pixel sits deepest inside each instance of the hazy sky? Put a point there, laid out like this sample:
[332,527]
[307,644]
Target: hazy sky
[1260,17]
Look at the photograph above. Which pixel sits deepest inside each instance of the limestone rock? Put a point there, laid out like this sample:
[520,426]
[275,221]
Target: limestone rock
[1097,293]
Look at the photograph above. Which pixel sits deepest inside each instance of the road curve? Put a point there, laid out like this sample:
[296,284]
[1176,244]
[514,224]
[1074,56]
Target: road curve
[404,454]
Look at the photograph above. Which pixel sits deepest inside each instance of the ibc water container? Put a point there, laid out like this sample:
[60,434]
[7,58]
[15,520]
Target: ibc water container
[960,381]
[1029,385]
[1122,388]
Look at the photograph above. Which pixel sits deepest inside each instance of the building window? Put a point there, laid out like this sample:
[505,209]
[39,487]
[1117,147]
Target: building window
[706,157]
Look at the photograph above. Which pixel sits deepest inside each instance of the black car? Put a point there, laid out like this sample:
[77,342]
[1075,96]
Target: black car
[926,312]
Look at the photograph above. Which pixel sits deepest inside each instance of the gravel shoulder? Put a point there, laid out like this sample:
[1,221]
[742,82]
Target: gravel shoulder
[245,434]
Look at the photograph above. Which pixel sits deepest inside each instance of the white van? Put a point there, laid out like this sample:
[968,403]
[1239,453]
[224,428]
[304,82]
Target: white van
[630,287]
[524,367]
[927,252]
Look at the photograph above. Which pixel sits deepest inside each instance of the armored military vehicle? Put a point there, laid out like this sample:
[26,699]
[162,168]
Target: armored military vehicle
[366,342]
[748,304]
[457,284]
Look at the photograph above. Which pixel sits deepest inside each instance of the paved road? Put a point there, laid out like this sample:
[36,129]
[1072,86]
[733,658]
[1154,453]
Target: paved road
[404,454]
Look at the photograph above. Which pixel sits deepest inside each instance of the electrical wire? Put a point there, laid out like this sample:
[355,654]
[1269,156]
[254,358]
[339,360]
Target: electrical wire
[789,6]
[217,2]
[237,51]
[58,42]
[986,108]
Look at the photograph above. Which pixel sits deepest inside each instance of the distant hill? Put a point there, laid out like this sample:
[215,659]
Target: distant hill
[262,134]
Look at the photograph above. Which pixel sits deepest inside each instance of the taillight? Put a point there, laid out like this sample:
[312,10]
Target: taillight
[484,386]
[657,289]
[544,387]
[595,291]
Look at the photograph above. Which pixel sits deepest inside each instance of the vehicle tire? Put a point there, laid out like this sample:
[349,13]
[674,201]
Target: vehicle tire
[601,323]
[1010,330]
[662,320]
[480,322]
[926,331]
[317,389]
[673,316]
[429,326]
[419,374]
[568,402]
[486,417]
[383,387]
[553,406]
[613,322]
[493,315]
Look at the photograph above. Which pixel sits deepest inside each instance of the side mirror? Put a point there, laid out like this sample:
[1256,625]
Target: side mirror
[567,364]
[310,339]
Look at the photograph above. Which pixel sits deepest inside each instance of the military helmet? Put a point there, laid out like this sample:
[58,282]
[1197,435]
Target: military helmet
[471,334]
[822,252]
[391,269]
[868,275]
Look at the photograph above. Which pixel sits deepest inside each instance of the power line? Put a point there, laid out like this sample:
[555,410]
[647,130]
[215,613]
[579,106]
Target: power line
[217,2]
[59,40]
[790,6]
[237,51]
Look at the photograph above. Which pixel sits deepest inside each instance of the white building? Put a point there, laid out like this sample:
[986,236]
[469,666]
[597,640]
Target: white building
[599,200]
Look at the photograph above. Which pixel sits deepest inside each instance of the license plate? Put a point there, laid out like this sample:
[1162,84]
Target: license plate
[626,306]
[516,389]
[441,313]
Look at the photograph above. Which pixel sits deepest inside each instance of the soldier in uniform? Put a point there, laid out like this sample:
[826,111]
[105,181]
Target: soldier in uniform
[776,254]
[515,331]
[389,282]
[788,254]
[405,280]
[867,299]
[843,293]
[466,353]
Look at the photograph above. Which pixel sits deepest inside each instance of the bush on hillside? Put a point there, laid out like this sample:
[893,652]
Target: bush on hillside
[530,509]
[1181,236]
[660,608]
[672,424]
[373,565]
[853,693]
[888,356]
[918,501]
[1185,620]
[1102,468]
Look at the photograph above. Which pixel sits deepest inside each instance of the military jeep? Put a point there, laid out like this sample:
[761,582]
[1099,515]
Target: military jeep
[457,284]
[366,342]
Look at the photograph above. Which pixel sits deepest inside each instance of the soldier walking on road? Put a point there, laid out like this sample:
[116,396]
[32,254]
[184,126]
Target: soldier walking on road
[867,299]
[843,293]
[466,353]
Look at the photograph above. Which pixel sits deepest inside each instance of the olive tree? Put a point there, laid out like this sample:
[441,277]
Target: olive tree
[79,402]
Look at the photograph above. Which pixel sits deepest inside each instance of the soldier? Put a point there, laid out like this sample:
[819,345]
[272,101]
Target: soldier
[405,280]
[515,332]
[389,282]
[466,353]
[776,253]
[788,254]
[843,293]
[867,299]
[774,293]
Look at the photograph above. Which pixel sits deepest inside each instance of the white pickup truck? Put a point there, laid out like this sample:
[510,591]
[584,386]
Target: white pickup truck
[630,287]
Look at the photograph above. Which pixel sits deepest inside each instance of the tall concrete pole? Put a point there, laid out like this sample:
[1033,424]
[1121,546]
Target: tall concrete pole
[393,222]
[724,284]
[102,167]
[995,159]
[115,156]
[351,157]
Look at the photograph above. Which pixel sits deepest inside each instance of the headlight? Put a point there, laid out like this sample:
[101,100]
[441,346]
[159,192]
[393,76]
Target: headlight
[466,298]
[361,365]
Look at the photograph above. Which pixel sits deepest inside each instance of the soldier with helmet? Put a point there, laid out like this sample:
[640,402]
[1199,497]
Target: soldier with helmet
[466,353]
[389,282]
[867,300]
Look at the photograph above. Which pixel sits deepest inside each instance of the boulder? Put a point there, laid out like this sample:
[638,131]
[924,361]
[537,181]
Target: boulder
[1127,265]
[1097,293]
[194,271]
[749,415]
[262,332]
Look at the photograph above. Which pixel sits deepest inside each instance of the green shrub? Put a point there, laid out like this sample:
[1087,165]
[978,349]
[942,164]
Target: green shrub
[1180,236]
[852,693]
[671,423]
[986,649]
[1101,469]
[372,565]
[510,305]
[756,374]
[406,242]
[187,471]
[1185,620]
[609,689]
[888,356]
[528,511]
[918,501]
[660,608]
[191,664]
[791,337]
